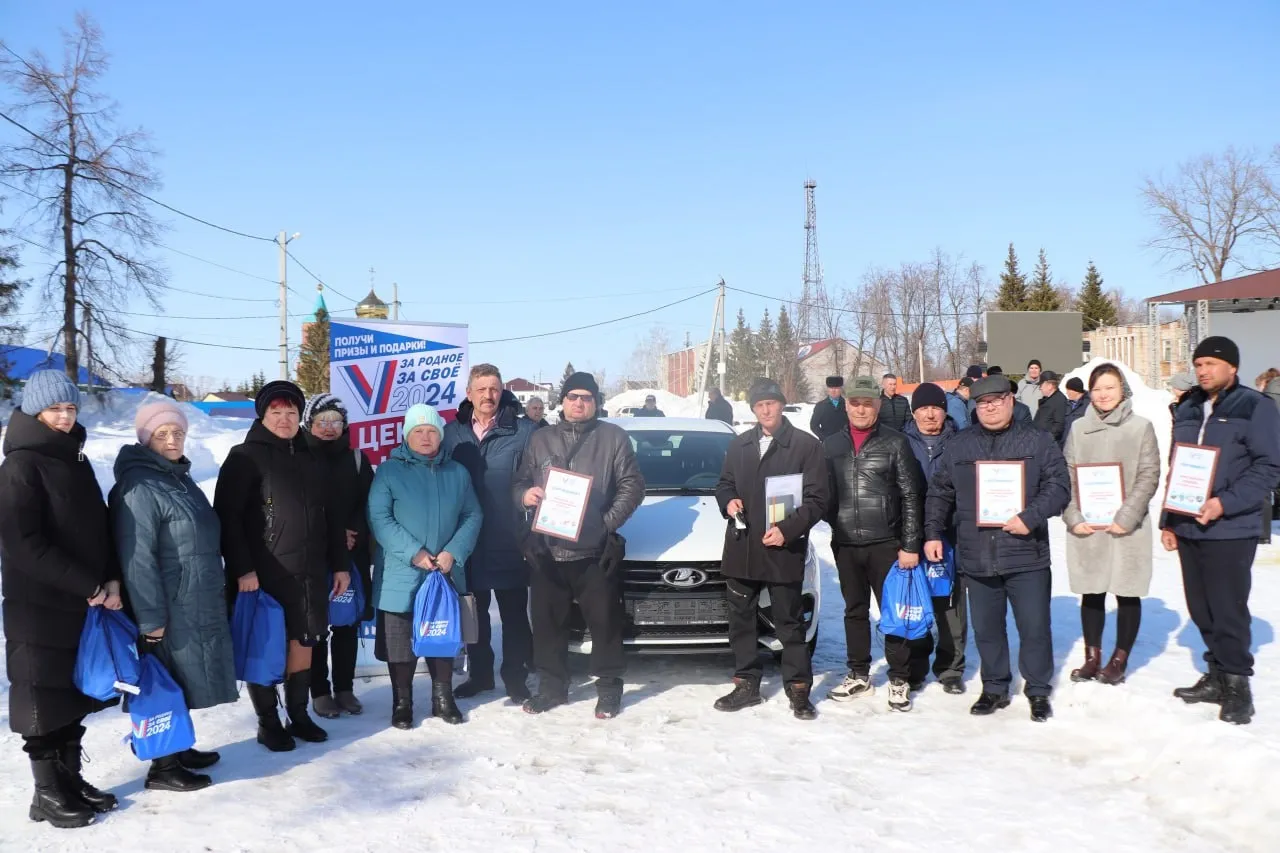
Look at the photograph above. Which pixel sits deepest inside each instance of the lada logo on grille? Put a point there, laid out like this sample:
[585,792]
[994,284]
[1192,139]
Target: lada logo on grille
[684,578]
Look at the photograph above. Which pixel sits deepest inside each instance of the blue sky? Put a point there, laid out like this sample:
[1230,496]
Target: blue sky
[582,161]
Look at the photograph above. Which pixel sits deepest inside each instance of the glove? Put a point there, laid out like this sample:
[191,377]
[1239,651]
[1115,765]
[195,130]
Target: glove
[148,645]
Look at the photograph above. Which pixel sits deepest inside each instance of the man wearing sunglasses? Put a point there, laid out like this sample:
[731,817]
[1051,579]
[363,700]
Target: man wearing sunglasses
[587,569]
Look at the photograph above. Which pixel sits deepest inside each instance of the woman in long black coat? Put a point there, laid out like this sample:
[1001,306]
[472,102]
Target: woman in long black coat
[349,477]
[56,561]
[279,534]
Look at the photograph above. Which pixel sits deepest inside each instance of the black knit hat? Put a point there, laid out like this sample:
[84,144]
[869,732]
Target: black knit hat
[580,381]
[928,394]
[974,372]
[1216,346]
[765,389]
[1034,361]
[995,370]
[280,389]
[1074,384]
[835,381]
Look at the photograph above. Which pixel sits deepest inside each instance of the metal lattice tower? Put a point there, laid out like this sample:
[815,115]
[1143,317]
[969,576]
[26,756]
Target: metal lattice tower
[814,293]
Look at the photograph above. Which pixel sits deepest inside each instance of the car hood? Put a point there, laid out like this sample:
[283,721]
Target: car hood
[675,527]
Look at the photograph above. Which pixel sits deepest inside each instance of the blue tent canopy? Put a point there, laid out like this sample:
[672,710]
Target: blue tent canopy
[21,362]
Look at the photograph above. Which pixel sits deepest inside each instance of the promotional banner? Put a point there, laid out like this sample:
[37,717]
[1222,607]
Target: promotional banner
[379,368]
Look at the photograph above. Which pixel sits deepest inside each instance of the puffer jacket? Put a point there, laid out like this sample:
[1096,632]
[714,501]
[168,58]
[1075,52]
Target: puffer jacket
[988,551]
[895,411]
[929,459]
[607,456]
[877,493]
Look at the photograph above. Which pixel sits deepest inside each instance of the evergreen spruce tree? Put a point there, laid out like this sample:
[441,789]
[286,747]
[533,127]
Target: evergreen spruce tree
[313,362]
[1012,295]
[569,370]
[259,382]
[786,368]
[1093,303]
[765,349]
[742,356]
[1042,296]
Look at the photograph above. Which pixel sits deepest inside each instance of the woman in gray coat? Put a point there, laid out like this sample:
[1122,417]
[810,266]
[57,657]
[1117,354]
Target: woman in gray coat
[1115,559]
[167,536]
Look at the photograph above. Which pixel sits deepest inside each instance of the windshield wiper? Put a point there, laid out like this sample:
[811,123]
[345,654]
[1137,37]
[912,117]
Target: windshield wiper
[678,490]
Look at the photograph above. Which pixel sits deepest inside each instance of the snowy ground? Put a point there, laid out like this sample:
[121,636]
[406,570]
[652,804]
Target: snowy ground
[1124,768]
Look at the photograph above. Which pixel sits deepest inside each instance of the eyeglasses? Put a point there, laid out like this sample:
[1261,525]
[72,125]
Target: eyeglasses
[993,401]
[327,421]
[166,435]
[579,398]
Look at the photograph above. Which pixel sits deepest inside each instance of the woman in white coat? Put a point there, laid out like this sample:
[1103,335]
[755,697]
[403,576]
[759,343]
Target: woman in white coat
[1115,559]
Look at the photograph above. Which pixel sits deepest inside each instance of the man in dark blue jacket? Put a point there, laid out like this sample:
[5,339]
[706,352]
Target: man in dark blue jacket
[1007,564]
[1074,389]
[488,438]
[1217,546]
[928,434]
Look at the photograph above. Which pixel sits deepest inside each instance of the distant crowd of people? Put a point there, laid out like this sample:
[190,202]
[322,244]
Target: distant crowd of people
[299,514]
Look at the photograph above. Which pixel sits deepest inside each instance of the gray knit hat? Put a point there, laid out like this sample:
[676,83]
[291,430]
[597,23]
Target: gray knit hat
[47,388]
[323,402]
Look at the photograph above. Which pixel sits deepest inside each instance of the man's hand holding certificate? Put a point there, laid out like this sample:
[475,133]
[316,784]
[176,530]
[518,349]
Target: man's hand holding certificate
[563,505]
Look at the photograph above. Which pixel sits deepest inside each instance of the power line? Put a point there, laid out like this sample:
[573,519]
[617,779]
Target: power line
[319,280]
[601,323]
[556,299]
[845,310]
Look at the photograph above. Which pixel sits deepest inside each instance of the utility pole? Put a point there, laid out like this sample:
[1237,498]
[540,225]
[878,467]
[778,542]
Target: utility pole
[395,301]
[723,366]
[716,320]
[283,240]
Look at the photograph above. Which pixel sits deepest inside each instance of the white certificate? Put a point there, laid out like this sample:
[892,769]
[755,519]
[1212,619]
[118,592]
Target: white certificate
[561,512]
[1001,492]
[783,495]
[1100,492]
[1190,478]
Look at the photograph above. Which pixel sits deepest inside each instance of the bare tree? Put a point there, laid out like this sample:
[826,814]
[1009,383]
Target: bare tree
[648,359]
[959,298]
[1211,210]
[87,175]
[862,325]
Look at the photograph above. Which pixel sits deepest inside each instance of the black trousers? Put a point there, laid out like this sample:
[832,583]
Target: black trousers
[517,636]
[862,570]
[344,642]
[1217,576]
[51,744]
[786,606]
[952,618]
[555,586]
[989,600]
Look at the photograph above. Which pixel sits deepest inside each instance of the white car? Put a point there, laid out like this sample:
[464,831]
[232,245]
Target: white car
[672,587]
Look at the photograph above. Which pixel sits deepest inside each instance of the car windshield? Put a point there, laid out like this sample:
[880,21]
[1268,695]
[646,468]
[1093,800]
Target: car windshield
[677,462]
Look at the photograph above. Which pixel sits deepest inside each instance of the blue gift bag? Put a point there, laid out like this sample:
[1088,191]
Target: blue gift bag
[161,722]
[107,661]
[258,638]
[348,608]
[437,622]
[942,574]
[906,607]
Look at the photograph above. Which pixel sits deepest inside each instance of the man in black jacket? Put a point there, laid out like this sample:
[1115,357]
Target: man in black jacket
[587,569]
[895,409]
[766,544]
[875,512]
[650,409]
[1051,414]
[829,416]
[1078,400]
[718,408]
[1004,563]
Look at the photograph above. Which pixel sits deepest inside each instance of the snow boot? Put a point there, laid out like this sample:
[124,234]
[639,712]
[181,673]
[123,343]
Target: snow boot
[402,694]
[989,703]
[297,693]
[168,774]
[798,696]
[1237,700]
[196,759]
[609,701]
[545,700]
[1041,710]
[53,803]
[1208,689]
[1092,664]
[99,801]
[443,705]
[326,707]
[348,702]
[1113,672]
[745,694]
[953,685]
[474,686]
[271,733]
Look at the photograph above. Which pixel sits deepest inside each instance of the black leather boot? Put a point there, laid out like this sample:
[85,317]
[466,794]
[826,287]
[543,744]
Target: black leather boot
[745,694]
[609,698]
[798,696]
[198,759]
[297,696]
[1237,700]
[474,686]
[989,703]
[271,733]
[99,801]
[168,774]
[401,694]
[1041,710]
[442,704]
[53,803]
[1208,689]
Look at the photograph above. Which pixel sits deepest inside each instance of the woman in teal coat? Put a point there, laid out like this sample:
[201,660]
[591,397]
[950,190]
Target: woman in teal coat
[425,517]
[167,537]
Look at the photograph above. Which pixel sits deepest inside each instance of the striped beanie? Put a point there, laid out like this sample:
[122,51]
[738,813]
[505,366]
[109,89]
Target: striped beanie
[323,403]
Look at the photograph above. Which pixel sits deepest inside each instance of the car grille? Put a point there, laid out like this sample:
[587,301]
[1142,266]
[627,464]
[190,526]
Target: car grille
[642,578]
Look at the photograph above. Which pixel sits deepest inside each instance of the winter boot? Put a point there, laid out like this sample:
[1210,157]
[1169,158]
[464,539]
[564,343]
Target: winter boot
[1113,672]
[1237,700]
[544,700]
[271,733]
[609,701]
[297,693]
[168,774]
[1208,689]
[745,694]
[195,759]
[442,704]
[798,696]
[326,707]
[402,694]
[348,702]
[953,685]
[474,686]
[1092,664]
[99,801]
[52,802]
[989,703]
[1041,710]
